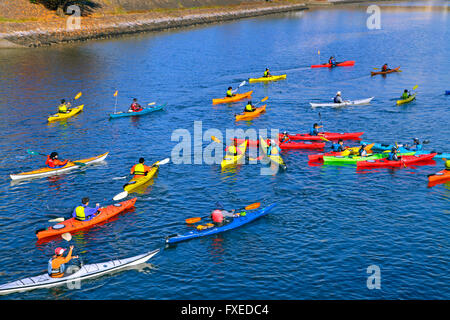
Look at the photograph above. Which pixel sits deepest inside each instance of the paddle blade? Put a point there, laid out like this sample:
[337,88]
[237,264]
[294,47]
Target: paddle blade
[215,139]
[66,236]
[78,95]
[415,87]
[80,164]
[253,206]
[152,103]
[162,162]
[120,196]
[376,68]
[193,220]
[264,99]
[324,139]
[33,153]
[56,220]
[242,83]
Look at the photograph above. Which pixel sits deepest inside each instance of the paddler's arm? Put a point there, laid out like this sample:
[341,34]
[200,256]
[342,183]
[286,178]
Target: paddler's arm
[132,169]
[91,211]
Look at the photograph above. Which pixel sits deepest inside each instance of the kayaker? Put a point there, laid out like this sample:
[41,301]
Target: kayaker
[231,92]
[339,146]
[140,169]
[53,161]
[417,146]
[135,106]
[447,165]
[315,130]
[285,138]
[57,263]
[385,68]
[332,61]
[233,149]
[393,156]
[221,217]
[64,107]
[362,152]
[267,73]
[83,212]
[273,149]
[249,107]
[338,98]
[405,94]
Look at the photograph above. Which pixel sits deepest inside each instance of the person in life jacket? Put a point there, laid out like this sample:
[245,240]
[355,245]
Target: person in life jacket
[417,146]
[57,263]
[83,212]
[267,73]
[53,161]
[233,149]
[447,165]
[405,94]
[64,107]
[231,92]
[315,130]
[337,98]
[273,149]
[221,217]
[385,68]
[285,138]
[393,156]
[249,107]
[339,146]
[362,152]
[135,106]
[140,169]
[332,61]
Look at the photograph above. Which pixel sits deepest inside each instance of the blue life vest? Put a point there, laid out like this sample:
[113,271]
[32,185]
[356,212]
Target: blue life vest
[336,147]
[313,132]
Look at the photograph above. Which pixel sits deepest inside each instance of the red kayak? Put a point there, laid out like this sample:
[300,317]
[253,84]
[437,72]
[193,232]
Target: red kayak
[327,135]
[287,145]
[404,161]
[319,156]
[339,64]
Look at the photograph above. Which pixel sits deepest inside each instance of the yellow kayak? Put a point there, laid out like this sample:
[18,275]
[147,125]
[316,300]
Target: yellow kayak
[61,116]
[277,159]
[135,183]
[354,150]
[411,98]
[229,160]
[266,79]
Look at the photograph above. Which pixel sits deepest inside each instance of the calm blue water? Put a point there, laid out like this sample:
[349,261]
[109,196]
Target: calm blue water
[331,222]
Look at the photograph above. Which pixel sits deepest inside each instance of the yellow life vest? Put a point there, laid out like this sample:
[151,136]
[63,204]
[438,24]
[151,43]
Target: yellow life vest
[79,211]
[447,164]
[266,73]
[232,150]
[249,108]
[229,93]
[139,169]
[62,108]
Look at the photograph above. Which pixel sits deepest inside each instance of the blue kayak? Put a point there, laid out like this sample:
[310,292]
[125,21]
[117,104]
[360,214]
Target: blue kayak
[237,222]
[447,92]
[134,114]
[383,147]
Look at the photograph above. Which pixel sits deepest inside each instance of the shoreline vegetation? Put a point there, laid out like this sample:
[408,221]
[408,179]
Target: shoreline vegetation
[32,25]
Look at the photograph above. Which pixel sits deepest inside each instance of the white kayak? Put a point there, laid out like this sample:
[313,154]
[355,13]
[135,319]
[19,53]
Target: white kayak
[85,272]
[345,103]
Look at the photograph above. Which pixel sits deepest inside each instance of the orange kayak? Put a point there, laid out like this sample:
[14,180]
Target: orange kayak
[251,115]
[439,177]
[234,98]
[72,225]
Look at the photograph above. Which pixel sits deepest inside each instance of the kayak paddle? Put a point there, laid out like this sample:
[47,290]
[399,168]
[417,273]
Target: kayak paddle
[34,153]
[262,100]
[213,138]
[152,103]
[56,220]
[66,236]
[252,206]
[124,194]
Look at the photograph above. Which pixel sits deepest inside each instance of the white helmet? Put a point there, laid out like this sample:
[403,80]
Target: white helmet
[338,93]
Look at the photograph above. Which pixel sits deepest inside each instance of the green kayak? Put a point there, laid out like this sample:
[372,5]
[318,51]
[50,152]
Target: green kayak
[355,159]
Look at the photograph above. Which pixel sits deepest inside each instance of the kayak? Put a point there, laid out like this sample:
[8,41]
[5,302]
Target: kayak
[355,159]
[135,183]
[51,171]
[385,72]
[266,79]
[447,92]
[72,225]
[385,147]
[411,98]
[134,114]
[251,115]
[230,160]
[288,145]
[346,152]
[345,103]
[85,272]
[326,135]
[61,116]
[236,97]
[235,223]
[339,64]
[276,159]
[405,160]
[439,177]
